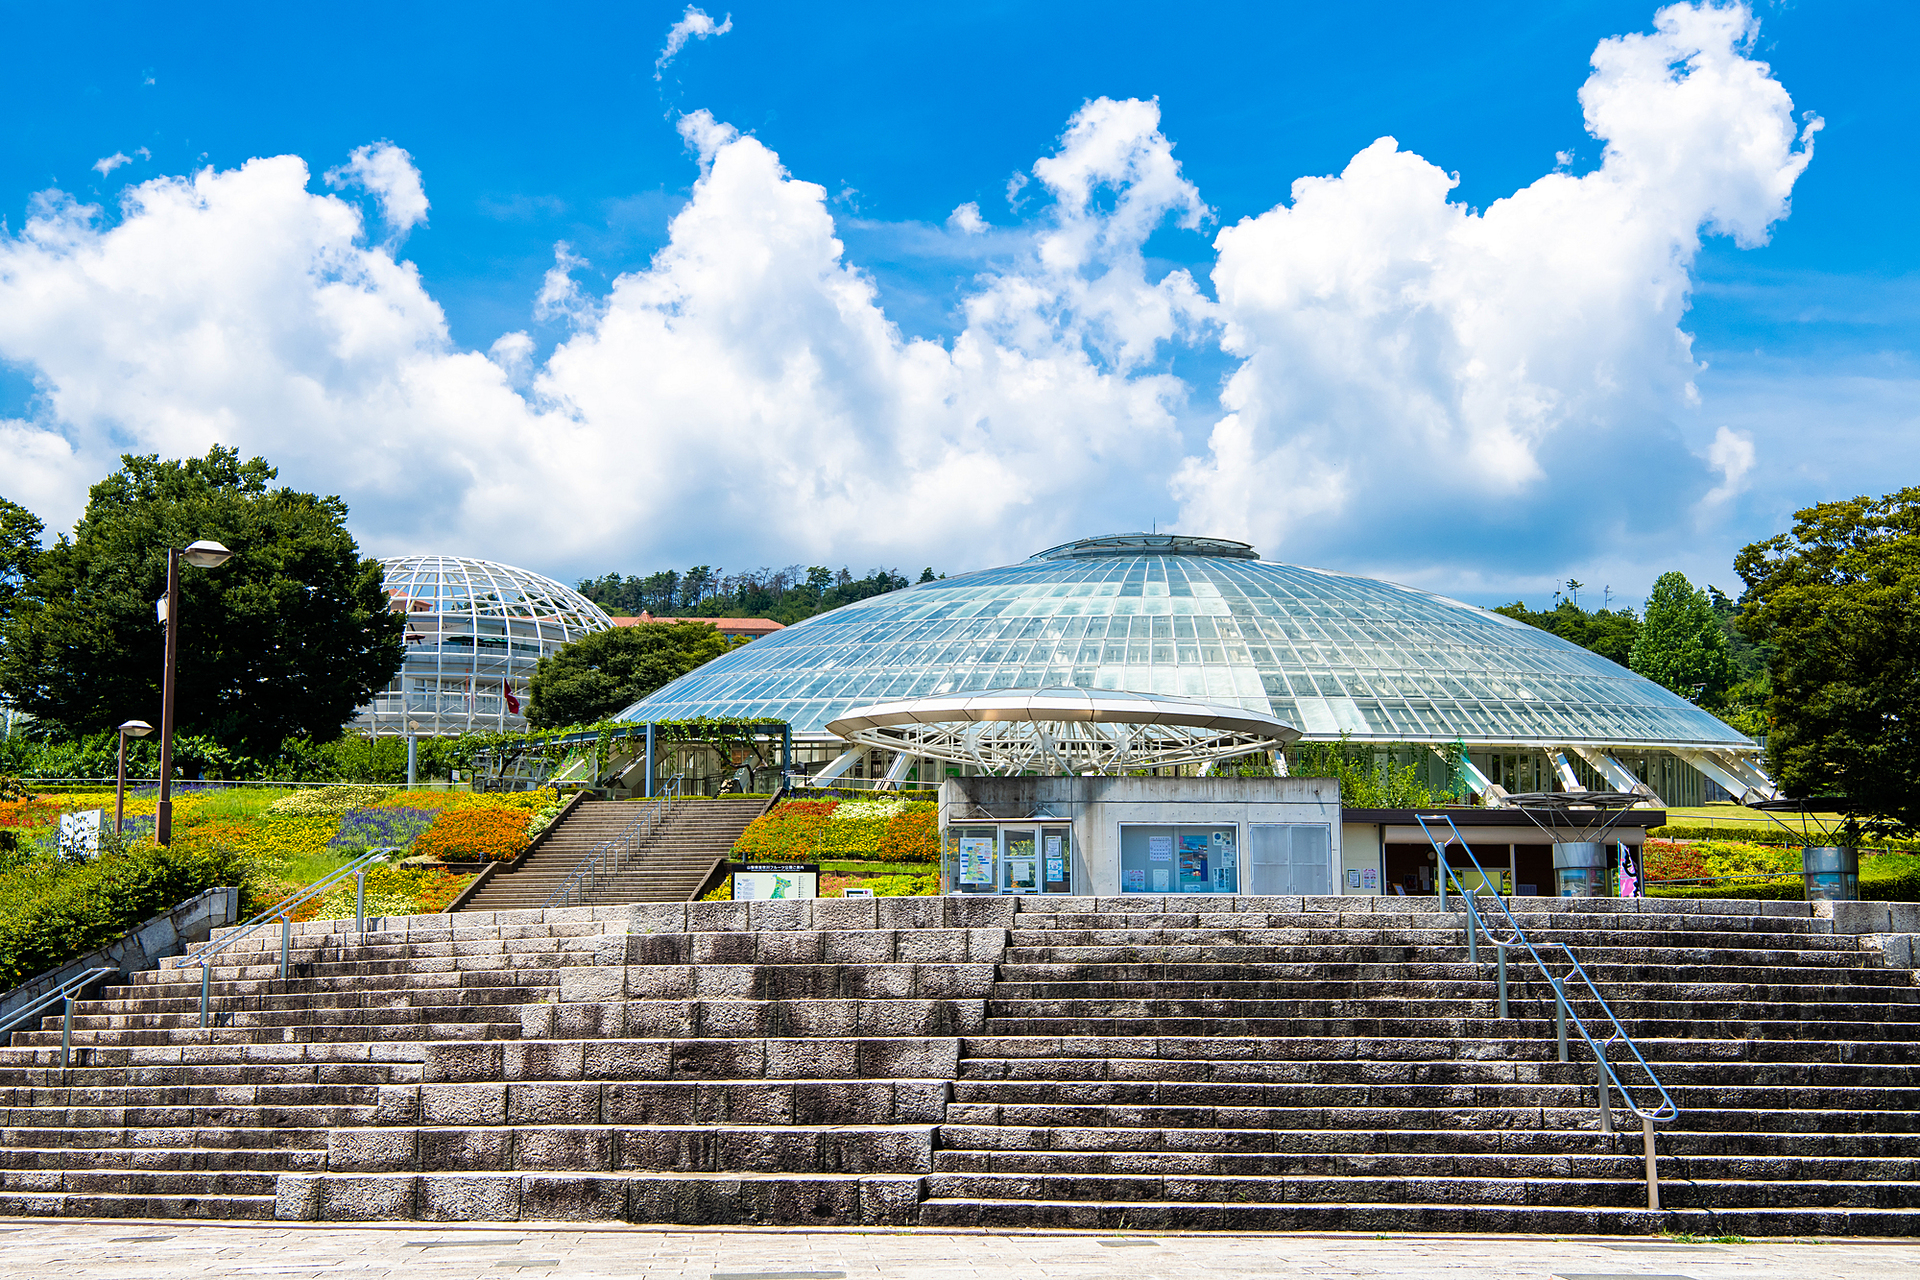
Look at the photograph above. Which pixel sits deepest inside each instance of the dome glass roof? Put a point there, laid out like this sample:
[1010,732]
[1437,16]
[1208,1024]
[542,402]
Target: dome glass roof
[475,632]
[1204,618]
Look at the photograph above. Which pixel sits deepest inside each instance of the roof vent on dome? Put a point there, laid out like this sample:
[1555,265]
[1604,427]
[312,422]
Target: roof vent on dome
[1149,544]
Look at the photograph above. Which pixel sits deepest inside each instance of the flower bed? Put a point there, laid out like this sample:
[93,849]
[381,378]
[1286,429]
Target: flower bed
[477,833]
[891,830]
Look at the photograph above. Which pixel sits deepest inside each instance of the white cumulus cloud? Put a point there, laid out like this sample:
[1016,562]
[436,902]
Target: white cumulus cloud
[1408,373]
[693,25]
[107,164]
[387,173]
[1731,454]
[1419,371]
[966,218]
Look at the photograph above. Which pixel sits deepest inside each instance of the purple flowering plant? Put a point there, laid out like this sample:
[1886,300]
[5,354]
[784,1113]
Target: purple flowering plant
[382,828]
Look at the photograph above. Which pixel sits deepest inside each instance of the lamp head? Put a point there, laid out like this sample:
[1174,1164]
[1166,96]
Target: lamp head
[136,728]
[206,555]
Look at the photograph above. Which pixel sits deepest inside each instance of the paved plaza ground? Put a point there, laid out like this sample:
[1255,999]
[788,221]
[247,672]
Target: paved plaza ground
[42,1249]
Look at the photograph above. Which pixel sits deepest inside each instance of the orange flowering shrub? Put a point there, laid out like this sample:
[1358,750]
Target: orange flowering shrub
[912,836]
[474,833]
[789,834]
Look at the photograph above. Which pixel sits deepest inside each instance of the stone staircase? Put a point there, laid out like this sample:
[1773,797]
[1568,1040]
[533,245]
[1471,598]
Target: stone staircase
[670,867]
[782,1062]
[1158,1063]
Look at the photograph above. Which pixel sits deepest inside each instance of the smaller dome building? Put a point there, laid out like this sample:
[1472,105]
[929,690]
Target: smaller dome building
[475,632]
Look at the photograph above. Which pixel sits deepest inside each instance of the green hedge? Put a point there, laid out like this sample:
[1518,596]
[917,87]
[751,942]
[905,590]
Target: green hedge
[1888,877]
[51,911]
[1764,835]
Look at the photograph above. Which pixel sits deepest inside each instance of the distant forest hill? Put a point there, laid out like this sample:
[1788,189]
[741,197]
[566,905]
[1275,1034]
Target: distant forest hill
[785,595]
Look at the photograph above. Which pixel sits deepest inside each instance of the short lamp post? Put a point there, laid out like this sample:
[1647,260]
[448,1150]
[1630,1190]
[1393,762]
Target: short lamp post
[201,555]
[131,729]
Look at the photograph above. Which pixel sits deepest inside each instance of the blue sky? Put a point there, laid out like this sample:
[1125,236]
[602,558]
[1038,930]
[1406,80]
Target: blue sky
[532,128]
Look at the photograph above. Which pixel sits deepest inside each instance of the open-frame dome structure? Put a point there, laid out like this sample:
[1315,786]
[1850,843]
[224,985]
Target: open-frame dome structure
[1334,655]
[1062,730]
[475,632]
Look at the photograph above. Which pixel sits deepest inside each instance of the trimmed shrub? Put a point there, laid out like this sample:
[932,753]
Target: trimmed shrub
[903,886]
[51,912]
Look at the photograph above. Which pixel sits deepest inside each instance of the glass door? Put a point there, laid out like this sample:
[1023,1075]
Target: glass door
[1020,860]
[1056,859]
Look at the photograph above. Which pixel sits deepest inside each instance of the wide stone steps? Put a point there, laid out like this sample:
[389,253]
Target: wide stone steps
[1323,1137]
[877,1064]
[18,1162]
[61,1204]
[1514,1215]
[1624,1192]
[1625,1164]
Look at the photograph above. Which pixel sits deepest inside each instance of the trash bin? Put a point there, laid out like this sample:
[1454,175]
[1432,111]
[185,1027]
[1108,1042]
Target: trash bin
[1833,873]
[1580,870]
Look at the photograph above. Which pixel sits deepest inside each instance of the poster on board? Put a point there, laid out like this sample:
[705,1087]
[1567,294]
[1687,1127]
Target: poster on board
[976,860]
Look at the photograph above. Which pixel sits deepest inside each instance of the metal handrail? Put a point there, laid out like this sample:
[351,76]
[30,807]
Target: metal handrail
[610,855]
[65,992]
[283,912]
[1564,1013]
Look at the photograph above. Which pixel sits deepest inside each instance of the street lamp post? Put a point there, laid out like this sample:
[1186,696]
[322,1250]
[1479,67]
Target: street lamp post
[131,729]
[201,555]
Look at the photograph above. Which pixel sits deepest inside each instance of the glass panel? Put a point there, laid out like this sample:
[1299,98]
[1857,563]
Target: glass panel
[1019,860]
[1056,859]
[1179,859]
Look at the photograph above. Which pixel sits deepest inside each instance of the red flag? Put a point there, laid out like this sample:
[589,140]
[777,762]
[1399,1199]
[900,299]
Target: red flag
[513,703]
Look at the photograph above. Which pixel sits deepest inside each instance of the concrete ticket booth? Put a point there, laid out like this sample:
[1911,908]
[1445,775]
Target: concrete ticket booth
[1111,836]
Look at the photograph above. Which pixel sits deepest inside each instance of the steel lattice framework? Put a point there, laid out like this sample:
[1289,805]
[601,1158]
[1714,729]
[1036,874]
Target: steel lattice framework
[1063,730]
[475,632]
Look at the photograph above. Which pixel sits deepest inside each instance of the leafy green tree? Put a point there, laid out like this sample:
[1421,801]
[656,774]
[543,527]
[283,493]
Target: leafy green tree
[1681,644]
[1838,600]
[607,671]
[287,638]
[20,532]
[1607,632]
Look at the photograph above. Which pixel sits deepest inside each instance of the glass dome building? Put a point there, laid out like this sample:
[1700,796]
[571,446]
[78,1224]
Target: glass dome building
[1331,654]
[475,632]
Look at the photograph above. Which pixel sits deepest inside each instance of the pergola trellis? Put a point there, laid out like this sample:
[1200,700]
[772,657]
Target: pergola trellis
[1062,730]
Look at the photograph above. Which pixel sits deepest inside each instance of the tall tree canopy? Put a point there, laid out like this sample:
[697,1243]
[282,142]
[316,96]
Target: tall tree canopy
[1681,644]
[786,595]
[1608,632]
[607,671]
[287,638]
[1838,602]
[20,532]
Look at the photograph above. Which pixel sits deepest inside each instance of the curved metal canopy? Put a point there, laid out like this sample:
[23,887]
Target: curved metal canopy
[1068,730]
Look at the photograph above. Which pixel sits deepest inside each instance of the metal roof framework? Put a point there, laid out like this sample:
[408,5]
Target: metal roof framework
[1062,730]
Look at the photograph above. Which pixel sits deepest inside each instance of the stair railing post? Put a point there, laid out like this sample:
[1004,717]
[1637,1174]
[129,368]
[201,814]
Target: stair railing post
[1500,960]
[1653,1173]
[360,902]
[1473,928]
[1600,1071]
[1560,1015]
[206,977]
[66,1034]
[286,944]
[1443,877]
